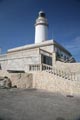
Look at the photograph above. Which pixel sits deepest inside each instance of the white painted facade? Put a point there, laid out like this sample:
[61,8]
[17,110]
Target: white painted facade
[41,32]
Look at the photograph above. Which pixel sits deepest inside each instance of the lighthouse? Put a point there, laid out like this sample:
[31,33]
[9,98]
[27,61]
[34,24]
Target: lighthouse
[41,28]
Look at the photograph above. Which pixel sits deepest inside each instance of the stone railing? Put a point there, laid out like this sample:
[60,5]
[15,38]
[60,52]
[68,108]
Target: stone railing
[47,67]
[35,67]
[55,71]
[39,67]
[58,72]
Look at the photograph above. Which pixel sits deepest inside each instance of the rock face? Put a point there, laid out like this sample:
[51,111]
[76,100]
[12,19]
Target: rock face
[22,80]
[5,82]
[16,80]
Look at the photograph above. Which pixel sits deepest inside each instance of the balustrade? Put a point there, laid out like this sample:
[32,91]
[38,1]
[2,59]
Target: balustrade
[35,67]
[55,71]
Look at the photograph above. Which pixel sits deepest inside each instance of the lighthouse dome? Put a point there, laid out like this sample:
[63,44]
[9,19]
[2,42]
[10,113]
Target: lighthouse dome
[41,14]
[41,19]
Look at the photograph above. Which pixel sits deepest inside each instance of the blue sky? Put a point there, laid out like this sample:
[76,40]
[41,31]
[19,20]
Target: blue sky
[17,19]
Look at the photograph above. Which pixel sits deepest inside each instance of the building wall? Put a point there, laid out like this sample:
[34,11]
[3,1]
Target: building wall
[19,64]
[20,60]
[25,52]
[48,48]
[61,54]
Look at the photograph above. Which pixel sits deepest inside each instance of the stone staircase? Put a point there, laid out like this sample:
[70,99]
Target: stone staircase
[55,83]
[53,70]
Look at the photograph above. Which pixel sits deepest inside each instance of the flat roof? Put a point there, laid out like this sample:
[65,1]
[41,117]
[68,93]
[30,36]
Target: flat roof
[30,46]
[45,43]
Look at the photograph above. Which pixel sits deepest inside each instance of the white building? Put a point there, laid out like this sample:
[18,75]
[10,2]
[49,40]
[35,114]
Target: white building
[43,51]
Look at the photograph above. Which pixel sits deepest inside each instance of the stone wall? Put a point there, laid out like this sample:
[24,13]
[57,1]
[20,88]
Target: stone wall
[70,67]
[23,53]
[4,73]
[22,80]
[53,83]
[49,48]
[20,60]
[43,80]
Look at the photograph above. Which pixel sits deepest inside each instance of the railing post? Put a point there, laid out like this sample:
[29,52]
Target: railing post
[53,58]
[68,76]
[41,67]
[71,76]
[74,76]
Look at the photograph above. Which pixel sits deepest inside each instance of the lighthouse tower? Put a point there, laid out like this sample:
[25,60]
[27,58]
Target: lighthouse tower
[41,28]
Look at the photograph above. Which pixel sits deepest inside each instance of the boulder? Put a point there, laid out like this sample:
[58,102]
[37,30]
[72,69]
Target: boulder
[5,82]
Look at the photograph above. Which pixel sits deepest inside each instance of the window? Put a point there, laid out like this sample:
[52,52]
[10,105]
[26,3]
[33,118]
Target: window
[46,59]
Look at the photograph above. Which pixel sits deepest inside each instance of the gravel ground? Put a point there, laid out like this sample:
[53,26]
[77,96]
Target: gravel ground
[18,104]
